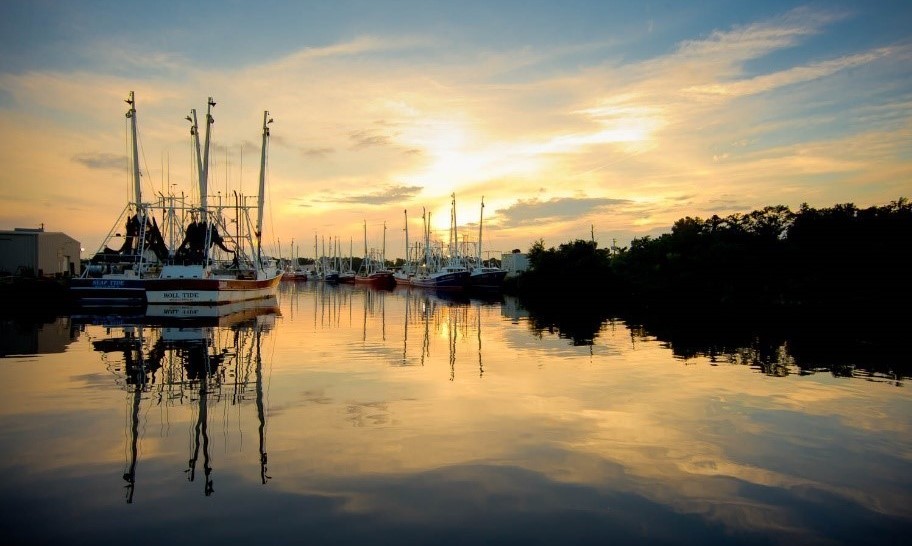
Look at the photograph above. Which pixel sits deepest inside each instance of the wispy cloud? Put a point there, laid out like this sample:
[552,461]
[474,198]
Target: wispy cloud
[388,195]
[798,74]
[754,40]
[103,161]
[368,138]
[317,152]
[358,46]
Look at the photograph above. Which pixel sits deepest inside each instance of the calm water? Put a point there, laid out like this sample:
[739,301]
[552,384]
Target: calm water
[349,416]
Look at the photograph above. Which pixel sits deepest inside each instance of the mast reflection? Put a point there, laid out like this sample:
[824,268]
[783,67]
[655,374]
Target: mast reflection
[192,356]
[436,314]
[402,327]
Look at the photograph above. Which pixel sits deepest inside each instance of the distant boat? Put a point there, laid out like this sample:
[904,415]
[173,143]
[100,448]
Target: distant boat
[294,274]
[487,277]
[373,273]
[440,272]
[449,277]
[347,273]
[481,276]
[403,276]
[326,267]
[373,270]
[293,271]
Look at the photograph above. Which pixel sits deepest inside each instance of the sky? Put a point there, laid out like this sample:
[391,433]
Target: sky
[570,119]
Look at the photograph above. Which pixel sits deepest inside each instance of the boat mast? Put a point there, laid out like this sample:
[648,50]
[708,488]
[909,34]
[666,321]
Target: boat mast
[262,191]
[204,167]
[407,260]
[480,224]
[131,115]
[425,220]
[454,236]
[194,134]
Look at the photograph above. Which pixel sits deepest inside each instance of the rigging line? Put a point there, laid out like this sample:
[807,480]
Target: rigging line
[142,153]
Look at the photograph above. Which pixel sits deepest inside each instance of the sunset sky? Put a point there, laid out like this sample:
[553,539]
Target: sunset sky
[571,116]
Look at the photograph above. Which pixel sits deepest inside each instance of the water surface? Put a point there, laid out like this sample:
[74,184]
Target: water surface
[350,416]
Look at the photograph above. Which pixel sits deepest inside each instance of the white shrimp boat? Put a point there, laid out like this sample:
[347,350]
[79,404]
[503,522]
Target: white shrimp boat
[196,277]
[210,266]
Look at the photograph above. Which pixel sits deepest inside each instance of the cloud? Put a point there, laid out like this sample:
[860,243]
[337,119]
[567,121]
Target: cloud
[317,152]
[367,138]
[757,39]
[354,48]
[391,194]
[798,74]
[102,161]
[535,211]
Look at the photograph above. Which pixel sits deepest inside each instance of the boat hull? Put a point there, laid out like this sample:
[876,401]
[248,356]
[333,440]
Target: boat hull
[382,279]
[487,280]
[209,291]
[402,279]
[442,281]
[108,291]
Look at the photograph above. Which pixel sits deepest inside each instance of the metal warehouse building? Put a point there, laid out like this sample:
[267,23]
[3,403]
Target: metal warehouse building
[31,251]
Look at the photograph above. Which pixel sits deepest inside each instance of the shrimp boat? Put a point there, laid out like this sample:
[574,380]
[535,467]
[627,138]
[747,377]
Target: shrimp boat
[198,274]
[485,276]
[347,275]
[403,276]
[148,266]
[437,271]
[373,269]
[117,273]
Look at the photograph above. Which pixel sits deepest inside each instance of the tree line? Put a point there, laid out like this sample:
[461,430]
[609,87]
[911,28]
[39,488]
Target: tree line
[841,259]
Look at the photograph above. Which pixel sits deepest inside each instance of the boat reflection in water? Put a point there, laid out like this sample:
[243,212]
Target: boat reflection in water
[372,321]
[194,356]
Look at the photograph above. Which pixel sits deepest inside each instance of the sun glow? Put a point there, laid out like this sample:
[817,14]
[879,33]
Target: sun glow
[459,154]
